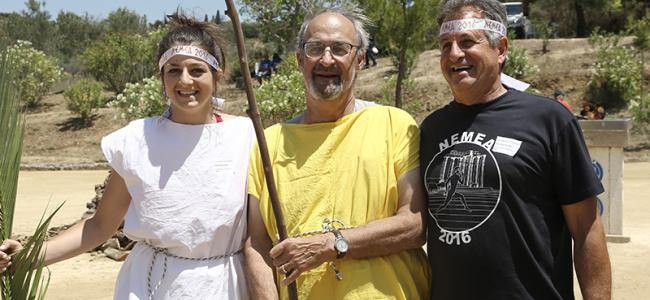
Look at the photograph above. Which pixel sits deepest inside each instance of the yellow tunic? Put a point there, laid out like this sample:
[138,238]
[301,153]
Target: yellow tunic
[347,171]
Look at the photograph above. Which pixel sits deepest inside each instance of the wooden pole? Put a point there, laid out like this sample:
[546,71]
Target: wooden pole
[254,114]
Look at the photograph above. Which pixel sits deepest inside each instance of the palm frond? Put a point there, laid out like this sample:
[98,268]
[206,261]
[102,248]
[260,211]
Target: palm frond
[26,280]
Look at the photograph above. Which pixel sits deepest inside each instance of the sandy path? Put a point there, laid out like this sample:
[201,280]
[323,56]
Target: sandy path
[83,277]
[92,277]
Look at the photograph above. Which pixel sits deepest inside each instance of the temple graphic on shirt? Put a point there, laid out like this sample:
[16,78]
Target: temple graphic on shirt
[463,187]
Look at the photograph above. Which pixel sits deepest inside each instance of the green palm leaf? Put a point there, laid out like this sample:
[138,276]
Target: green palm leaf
[26,279]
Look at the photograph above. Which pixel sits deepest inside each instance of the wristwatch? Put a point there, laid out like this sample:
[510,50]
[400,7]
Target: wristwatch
[341,244]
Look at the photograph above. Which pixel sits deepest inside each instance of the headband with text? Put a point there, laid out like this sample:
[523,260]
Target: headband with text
[192,51]
[473,24]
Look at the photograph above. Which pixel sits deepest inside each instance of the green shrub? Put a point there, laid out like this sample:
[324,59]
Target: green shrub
[140,100]
[517,64]
[119,58]
[410,98]
[36,73]
[84,96]
[283,96]
[640,107]
[616,75]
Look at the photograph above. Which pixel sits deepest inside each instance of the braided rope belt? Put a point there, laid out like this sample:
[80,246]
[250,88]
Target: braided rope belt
[327,227]
[166,254]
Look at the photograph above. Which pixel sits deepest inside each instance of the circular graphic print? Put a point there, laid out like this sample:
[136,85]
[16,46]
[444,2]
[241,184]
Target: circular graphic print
[463,184]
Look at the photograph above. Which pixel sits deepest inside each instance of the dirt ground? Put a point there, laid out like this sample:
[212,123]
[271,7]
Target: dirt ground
[55,138]
[91,276]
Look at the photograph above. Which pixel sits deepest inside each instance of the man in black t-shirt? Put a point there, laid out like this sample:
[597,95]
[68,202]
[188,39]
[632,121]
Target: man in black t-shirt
[523,170]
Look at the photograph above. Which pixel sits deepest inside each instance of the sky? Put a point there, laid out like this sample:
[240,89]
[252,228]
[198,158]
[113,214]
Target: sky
[153,9]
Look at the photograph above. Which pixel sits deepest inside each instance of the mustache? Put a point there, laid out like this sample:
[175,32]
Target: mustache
[330,69]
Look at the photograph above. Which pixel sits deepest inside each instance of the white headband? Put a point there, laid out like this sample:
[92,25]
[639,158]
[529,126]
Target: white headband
[188,51]
[473,24]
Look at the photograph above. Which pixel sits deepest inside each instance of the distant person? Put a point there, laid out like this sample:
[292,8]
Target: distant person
[588,110]
[264,69]
[559,97]
[178,182]
[527,180]
[370,54]
[600,113]
[276,61]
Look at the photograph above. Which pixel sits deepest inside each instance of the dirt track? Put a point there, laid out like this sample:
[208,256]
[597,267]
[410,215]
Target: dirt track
[93,277]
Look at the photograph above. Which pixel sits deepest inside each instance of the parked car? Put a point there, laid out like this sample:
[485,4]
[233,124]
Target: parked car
[517,22]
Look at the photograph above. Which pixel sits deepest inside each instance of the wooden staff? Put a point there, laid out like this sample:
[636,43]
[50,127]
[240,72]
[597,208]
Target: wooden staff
[254,114]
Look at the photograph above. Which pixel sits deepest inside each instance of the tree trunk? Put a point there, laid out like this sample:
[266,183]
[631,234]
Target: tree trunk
[581,24]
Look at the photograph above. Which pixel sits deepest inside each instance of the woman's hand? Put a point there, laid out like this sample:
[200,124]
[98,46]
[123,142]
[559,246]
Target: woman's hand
[7,250]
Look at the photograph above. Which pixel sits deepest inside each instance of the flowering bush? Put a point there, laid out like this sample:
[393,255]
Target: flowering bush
[283,96]
[36,73]
[83,97]
[517,64]
[616,76]
[140,100]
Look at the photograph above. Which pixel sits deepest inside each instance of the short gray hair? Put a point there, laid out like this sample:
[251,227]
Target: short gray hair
[350,11]
[489,9]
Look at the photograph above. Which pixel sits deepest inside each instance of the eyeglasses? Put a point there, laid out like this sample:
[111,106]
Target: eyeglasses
[316,49]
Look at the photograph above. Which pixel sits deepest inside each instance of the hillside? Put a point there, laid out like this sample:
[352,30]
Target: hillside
[54,138]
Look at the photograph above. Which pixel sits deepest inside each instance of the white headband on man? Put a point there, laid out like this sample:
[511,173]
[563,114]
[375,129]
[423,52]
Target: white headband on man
[192,51]
[473,24]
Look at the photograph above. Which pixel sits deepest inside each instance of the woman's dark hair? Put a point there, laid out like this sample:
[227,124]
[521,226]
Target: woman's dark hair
[185,31]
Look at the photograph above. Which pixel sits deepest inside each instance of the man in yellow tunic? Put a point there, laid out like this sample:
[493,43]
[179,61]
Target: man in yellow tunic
[348,180]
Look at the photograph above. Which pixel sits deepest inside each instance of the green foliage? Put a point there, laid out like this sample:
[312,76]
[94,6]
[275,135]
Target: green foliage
[410,102]
[32,24]
[26,279]
[640,29]
[36,73]
[74,34]
[119,58]
[640,108]
[280,20]
[84,96]
[545,31]
[517,64]
[404,28]
[283,96]
[140,100]
[124,20]
[616,76]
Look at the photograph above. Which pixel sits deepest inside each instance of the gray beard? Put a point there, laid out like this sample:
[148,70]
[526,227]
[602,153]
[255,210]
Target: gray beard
[331,92]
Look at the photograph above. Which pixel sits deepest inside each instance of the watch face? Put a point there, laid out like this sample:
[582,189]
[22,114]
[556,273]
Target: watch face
[341,245]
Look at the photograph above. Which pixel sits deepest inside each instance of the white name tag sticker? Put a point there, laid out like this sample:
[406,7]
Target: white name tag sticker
[506,146]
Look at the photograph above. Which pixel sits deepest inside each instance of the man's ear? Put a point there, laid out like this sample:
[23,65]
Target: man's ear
[299,59]
[362,59]
[502,48]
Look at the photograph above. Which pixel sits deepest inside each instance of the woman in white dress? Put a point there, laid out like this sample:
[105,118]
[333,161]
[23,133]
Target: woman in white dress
[178,182]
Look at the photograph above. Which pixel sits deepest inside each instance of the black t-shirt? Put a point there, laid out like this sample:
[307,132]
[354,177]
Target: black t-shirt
[496,176]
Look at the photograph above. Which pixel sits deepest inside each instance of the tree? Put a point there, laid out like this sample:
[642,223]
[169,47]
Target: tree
[126,21]
[578,18]
[120,58]
[74,34]
[217,18]
[32,24]
[280,20]
[404,28]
